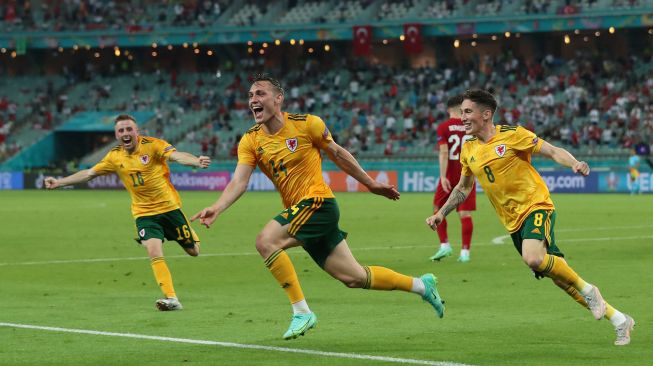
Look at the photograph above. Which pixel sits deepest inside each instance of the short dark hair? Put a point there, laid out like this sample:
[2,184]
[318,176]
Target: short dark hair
[482,97]
[454,101]
[122,117]
[265,77]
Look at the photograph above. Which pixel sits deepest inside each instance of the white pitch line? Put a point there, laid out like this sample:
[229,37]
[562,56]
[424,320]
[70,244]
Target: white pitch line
[501,239]
[496,241]
[117,259]
[358,356]
[603,228]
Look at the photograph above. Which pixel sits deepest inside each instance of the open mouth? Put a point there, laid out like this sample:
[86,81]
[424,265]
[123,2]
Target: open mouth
[127,140]
[258,111]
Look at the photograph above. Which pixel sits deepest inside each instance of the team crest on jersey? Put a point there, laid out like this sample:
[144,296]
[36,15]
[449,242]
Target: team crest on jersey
[142,233]
[292,144]
[500,150]
[144,159]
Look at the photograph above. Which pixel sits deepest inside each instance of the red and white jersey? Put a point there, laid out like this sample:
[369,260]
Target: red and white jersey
[452,133]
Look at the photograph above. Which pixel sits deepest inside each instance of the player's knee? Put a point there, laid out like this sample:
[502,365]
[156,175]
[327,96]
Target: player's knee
[264,245]
[193,252]
[352,282]
[533,262]
[261,243]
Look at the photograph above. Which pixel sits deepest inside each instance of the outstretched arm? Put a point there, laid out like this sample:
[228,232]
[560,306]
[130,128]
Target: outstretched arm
[345,161]
[236,187]
[564,157]
[79,177]
[190,159]
[458,195]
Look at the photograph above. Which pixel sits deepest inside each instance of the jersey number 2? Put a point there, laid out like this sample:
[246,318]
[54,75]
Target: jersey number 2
[456,144]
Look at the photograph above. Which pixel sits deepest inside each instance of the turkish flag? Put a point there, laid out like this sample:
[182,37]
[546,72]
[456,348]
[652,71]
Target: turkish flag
[413,38]
[362,40]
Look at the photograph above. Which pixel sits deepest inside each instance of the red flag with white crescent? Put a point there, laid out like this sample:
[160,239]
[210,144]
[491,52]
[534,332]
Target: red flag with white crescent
[362,40]
[412,38]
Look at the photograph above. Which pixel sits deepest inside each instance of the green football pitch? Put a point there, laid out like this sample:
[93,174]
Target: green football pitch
[77,290]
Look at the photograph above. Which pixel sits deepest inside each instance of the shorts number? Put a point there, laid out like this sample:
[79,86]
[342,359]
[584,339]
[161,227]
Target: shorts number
[183,230]
[137,179]
[538,219]
[488,172]
[294,210]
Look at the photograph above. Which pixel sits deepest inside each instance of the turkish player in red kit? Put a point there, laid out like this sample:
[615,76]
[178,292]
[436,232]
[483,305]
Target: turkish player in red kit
[451,136]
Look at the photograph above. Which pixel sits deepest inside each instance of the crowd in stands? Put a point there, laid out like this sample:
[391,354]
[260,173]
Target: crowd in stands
[588,103]
[584,103]
[147,15]
[133,16]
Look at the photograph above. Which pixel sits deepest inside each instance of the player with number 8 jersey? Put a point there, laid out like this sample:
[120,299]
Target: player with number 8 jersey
[500,158]
[494,163]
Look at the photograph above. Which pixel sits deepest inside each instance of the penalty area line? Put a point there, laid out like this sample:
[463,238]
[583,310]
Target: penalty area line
[407,361]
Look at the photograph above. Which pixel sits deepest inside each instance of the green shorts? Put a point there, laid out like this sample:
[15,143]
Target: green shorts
[171,225]
[314,222]
[538,225]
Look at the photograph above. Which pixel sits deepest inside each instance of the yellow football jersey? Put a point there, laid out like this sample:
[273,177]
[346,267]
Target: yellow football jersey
[145,174]
[504,170]
[291,157]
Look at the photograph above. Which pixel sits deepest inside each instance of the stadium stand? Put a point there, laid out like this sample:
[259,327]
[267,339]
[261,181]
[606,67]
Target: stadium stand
[377,112]
[61,15]
[594,106]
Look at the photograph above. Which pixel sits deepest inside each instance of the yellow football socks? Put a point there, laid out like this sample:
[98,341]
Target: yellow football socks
[612,314]
[609,311]
[557,268]
[571,291]
[381,278]
[163,276]
[283,271]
